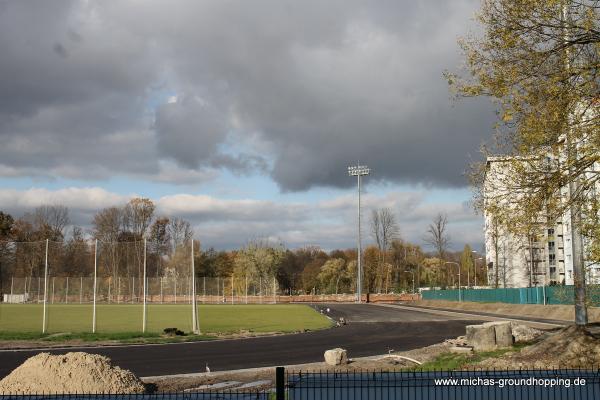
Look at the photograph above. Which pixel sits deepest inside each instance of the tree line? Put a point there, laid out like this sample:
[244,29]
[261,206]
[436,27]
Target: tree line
[390,264]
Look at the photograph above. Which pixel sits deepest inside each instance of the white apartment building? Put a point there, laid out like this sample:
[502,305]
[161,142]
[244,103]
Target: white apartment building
[544,258]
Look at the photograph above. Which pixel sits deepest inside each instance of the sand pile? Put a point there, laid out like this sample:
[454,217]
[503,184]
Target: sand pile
[570,347]
[70,373]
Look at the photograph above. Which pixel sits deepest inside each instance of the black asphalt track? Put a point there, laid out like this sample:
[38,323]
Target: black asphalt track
[371,330]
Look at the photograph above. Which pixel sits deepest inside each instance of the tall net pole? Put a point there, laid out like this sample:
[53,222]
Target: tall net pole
[195,325]
[358,171]
[44,318]
[145,289]
[95,285]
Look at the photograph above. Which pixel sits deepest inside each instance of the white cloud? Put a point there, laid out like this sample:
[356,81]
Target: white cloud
[227,223]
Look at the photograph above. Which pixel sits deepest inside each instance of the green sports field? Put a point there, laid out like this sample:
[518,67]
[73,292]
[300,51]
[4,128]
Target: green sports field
[128,318]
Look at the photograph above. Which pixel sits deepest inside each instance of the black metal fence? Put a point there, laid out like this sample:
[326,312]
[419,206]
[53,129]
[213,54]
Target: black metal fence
[445,385]
[564,384]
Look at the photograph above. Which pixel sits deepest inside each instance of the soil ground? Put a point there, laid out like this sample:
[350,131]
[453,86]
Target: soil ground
[388,362]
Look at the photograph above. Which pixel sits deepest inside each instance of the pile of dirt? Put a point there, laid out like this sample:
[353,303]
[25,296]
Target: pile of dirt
[570,347]
[70,373]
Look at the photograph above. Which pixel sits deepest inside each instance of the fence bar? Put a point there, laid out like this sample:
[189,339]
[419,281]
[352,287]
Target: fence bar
[231,289]
[246,289]
[279,383]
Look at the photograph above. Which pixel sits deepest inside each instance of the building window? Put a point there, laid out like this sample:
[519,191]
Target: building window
[550,232]
[551,246]
[552,259]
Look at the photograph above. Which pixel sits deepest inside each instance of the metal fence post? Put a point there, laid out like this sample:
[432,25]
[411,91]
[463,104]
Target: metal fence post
[280,383]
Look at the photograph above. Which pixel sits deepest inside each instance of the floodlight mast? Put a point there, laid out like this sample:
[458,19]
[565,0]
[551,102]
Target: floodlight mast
[358,171]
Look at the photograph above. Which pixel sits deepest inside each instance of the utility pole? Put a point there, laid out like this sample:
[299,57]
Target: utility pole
[358,171]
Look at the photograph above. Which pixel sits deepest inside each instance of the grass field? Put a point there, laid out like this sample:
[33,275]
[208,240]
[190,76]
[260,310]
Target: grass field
[23,318]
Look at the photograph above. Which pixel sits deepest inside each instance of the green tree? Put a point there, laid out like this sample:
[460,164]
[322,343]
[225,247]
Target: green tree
[259,260]
[466,265]
[332,272]
[539,59]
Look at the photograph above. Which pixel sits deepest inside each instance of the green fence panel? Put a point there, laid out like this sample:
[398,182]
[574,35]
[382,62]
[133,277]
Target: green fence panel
[533,295]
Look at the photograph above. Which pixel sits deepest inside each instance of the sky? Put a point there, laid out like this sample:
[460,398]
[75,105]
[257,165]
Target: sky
[241,117]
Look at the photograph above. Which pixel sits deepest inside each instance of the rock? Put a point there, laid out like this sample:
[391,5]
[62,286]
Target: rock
[503,331]
[524,333]
[459,341]
[461,349]
[482,338]
[336,356]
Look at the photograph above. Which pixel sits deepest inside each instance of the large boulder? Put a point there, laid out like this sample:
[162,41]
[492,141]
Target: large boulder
[525,334]
[481,338]
[336,356]
[503,333]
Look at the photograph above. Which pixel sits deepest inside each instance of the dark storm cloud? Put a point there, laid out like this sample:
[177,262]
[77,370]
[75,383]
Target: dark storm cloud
[320,84]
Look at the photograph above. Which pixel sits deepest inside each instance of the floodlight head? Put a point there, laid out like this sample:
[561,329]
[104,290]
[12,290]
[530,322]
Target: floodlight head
[357,170]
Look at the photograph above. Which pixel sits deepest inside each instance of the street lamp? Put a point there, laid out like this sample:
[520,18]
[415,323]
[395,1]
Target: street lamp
[358,171]
[473,252]
[459,290]
[413,278]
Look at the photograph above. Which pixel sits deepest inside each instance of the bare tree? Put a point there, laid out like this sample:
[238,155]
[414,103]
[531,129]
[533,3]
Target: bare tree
[138,215]
[437,237]
[384,229]
[52,220]
[107,224]
[180,231]
[160,240]
[107,228]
